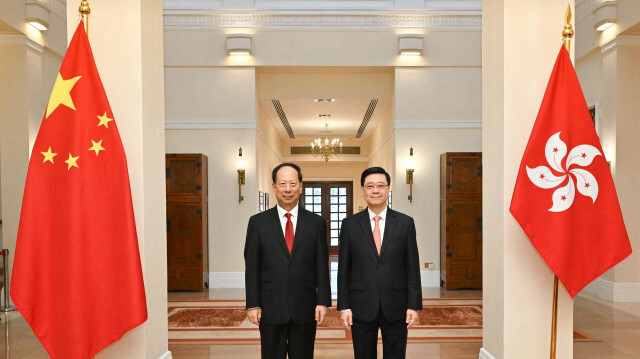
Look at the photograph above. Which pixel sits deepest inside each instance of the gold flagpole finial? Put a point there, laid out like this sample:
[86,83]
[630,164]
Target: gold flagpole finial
[567,33]
[85,10]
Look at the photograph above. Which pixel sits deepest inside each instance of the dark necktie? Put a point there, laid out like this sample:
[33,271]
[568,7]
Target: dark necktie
[288,232]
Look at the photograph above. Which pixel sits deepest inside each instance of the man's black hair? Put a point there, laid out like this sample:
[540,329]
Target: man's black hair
[373,170]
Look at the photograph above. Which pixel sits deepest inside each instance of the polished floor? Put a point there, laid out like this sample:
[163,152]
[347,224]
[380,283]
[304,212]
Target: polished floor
[617,325]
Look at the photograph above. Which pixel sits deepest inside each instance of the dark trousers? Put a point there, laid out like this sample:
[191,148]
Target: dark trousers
[278,340]
[365,338]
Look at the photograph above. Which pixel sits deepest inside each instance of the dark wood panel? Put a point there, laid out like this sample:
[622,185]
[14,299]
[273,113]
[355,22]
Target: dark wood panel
[463,173]
[461,220]
[187,222]
[184,175]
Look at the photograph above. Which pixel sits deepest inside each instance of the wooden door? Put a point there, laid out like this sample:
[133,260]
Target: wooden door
[187,224]
[464,244]
[184,176]
[461,220]
[331,200]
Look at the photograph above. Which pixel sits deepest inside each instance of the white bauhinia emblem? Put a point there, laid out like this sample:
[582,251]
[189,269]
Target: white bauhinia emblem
[585,182]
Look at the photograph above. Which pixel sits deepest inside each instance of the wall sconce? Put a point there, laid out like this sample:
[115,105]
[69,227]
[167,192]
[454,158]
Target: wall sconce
[239,44]
[410,44]
[604,15]
[410,174]
[37,15]
[240,175]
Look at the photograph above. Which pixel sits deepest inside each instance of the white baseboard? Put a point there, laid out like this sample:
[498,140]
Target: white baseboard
[236,279]
[226,280]
[484,354]
[430,278]
[614,292]
[166,355]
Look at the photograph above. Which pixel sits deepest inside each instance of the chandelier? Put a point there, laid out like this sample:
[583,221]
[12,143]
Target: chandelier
[324,147]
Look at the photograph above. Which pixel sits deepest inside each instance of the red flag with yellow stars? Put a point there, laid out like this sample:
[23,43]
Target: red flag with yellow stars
[77,278]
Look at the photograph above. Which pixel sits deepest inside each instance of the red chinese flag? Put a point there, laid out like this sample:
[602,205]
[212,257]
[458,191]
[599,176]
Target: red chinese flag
[77,278]
[564,198]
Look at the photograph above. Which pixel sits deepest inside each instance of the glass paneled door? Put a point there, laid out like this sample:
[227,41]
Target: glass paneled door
[333,201]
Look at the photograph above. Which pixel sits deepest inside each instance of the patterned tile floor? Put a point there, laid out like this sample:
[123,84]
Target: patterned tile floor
[616,324]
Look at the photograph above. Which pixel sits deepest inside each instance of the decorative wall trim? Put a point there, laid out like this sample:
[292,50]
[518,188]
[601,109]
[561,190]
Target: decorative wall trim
[614,292]
[214,125]
[166,355]
[484,354]
[58,7]
[19,40]
[625,40]
[438,124]
[295,20]
[236,279]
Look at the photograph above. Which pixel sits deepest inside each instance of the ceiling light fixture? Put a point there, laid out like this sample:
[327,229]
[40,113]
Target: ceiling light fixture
[324,147]
[324,115]
[325,100]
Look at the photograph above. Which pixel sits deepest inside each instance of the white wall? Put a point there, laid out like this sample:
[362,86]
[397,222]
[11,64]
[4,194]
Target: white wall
[227,218]
[427,144]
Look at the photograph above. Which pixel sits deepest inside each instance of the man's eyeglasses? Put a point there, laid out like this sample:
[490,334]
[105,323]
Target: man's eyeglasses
[379,187]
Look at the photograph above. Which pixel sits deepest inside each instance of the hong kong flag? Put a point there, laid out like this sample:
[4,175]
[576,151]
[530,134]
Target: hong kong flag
[77,277]
[564,198]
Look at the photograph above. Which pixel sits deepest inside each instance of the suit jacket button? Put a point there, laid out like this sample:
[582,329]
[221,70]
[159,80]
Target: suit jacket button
[378,265]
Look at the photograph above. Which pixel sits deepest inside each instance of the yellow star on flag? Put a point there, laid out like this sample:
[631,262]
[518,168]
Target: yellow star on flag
[48,156]
[72,162]
[97,146]
[61,94]
[104,120]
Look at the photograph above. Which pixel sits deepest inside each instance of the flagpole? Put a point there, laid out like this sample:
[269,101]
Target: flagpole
[85,10]
[554,317]
[567,34]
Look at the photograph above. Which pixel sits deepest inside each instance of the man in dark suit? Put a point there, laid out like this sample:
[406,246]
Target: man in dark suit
[378,272]
[287,271]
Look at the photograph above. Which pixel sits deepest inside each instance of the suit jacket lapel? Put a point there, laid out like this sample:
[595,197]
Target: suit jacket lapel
[276,227]
[298,233]
[365,223]
[389,226]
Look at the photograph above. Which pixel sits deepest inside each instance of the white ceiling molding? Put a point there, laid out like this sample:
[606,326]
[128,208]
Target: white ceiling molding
[58,7]
[322,5]
[438,124]
[211,125]
[473,22]
[585,8]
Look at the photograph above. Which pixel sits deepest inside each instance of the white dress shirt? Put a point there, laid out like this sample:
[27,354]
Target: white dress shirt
[381,222]
[283,218]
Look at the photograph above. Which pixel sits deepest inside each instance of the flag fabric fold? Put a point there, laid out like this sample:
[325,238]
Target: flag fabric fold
[77,277]
[564,197]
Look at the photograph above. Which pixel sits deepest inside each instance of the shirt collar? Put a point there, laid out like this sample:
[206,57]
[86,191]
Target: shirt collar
[383,214]
[282,211]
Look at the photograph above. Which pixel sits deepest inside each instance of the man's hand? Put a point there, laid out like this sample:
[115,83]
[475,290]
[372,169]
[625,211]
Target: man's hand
[321,313]
[254,315]
[412,318]
[347,319]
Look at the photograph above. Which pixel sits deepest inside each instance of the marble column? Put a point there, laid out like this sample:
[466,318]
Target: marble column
[619,123]
[127,41]
[521,40]
[21,109]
